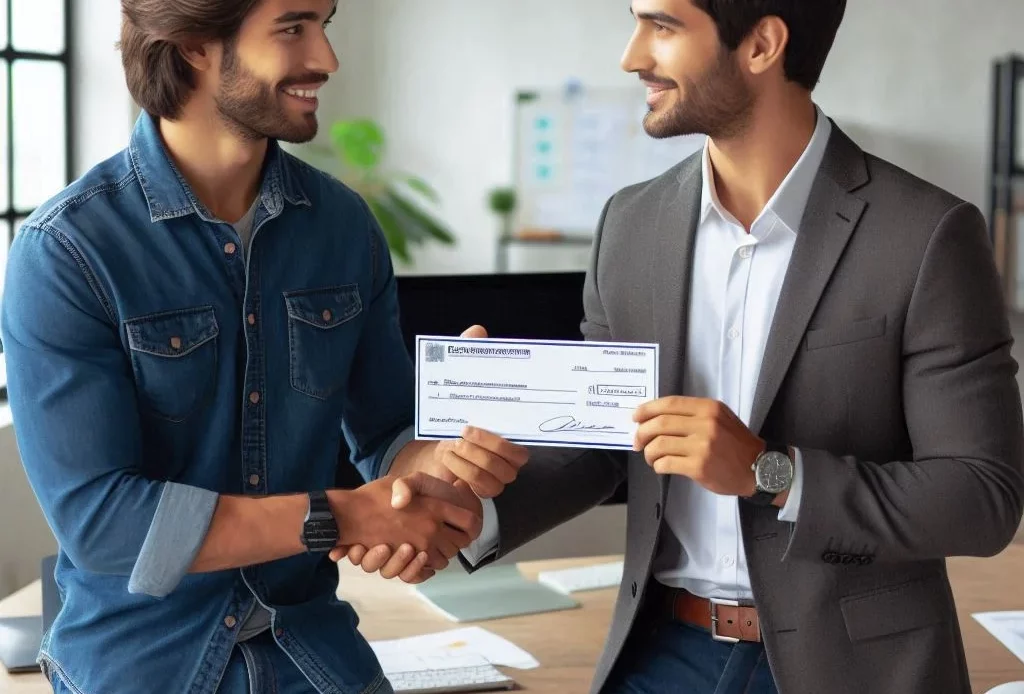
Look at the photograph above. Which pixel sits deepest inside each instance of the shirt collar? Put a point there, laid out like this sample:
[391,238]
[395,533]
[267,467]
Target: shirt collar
[790,200]
[169,195]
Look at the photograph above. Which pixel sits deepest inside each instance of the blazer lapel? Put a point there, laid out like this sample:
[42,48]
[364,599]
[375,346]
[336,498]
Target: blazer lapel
[672,269]
[831,216]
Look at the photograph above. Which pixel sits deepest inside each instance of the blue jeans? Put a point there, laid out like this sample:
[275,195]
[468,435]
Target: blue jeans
[675,658]
[257,666]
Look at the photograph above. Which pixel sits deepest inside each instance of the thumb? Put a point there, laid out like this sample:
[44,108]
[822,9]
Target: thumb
[401,493]
[476,331]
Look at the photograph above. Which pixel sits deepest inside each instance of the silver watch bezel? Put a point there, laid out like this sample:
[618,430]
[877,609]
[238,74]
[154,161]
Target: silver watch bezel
[769,458]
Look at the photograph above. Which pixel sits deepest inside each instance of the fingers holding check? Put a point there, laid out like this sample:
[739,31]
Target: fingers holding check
[483,460]
[701,439]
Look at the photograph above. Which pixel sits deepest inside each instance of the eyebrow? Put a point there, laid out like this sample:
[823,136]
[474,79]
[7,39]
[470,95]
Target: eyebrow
[660,17]
[306,16]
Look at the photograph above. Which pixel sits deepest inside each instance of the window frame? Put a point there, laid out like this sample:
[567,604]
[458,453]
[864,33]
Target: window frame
[10,55]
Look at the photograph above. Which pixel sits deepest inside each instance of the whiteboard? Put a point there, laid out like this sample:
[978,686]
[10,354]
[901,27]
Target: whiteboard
[575,148]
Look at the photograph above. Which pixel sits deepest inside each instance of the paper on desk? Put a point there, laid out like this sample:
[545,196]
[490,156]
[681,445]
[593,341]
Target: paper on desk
[1007,627]
[448,649]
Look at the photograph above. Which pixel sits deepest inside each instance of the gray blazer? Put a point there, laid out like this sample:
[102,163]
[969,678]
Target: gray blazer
[888,363]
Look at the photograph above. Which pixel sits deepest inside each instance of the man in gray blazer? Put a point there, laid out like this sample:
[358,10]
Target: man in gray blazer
[839,413]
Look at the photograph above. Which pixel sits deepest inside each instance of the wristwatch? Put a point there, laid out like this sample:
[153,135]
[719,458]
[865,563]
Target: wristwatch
[773,473]
[319,529]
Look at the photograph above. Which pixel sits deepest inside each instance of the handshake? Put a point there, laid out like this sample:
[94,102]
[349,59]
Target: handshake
[410,526]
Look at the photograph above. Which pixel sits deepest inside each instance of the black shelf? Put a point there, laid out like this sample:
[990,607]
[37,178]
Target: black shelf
[1005,169]
[1006,175]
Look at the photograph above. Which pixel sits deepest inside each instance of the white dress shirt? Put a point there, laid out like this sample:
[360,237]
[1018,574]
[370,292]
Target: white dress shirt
[736,283]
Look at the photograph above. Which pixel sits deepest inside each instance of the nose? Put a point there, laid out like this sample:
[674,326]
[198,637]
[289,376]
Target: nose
[322,57]
[636,58]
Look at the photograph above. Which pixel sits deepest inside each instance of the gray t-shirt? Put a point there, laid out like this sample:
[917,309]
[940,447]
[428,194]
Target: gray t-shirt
[243,227]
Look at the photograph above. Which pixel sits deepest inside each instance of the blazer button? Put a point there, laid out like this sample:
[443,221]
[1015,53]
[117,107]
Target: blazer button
[633,589]
[657,511]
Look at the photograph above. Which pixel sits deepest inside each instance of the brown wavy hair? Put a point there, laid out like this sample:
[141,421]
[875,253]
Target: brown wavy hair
[153,34]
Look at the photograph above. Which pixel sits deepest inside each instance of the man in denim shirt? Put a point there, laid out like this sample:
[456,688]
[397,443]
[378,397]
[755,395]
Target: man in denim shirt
[190,330]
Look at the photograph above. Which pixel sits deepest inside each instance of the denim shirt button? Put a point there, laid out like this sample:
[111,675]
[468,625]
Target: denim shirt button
[254,397]
[175,343]
[251,319]
[327,315]
[254,480]
[230,621]
[230,248]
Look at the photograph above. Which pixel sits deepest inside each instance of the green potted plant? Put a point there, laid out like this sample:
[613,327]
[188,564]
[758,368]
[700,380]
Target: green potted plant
[502,202]
[399,201]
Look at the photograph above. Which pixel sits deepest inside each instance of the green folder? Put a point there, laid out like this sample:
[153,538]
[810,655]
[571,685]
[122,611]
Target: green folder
[490,593]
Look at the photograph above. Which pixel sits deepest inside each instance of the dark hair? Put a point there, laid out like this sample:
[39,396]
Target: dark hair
[153,32]
[813,25]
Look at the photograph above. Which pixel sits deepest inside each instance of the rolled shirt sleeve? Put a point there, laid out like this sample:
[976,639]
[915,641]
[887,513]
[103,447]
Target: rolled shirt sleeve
[77,423]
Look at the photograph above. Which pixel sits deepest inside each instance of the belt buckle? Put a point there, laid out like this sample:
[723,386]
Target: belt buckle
[715,602]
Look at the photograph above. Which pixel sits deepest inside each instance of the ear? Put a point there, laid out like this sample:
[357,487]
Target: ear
[765,47]
[199,56]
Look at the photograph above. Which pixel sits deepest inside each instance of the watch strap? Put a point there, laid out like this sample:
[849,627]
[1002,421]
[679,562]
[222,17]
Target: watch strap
[319,528]
[319,506]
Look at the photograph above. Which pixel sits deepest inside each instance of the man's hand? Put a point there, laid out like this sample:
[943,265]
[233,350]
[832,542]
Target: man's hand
[485,461]
[480,462]
[700,439]
[429,519]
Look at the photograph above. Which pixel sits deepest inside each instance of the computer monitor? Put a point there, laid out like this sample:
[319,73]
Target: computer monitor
[540,306]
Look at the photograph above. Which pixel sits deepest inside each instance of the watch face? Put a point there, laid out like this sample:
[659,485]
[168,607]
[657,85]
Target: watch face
[774,472]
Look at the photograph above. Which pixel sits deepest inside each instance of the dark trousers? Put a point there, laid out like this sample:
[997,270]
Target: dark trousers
[663,656]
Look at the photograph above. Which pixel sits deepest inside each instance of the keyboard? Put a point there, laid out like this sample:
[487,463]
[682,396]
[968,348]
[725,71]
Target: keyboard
[582,578]
[477,678]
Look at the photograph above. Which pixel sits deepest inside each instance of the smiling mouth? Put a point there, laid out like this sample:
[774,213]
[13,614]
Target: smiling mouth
[655,91]
[307,94]
[658,86]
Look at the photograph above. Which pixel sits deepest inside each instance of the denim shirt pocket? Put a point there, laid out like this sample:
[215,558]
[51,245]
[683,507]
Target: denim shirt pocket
[322,337]
[174,360]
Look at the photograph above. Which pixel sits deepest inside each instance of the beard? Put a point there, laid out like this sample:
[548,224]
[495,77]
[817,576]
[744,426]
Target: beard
[253,108]
[717,104]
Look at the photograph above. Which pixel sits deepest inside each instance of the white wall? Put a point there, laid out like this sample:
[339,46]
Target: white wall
[909,80]
[440,76]
[103,106]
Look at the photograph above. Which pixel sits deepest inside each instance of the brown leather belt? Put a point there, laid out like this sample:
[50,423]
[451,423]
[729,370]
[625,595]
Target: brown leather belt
[726,620]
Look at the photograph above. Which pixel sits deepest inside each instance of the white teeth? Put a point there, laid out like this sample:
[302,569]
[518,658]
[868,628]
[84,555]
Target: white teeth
[303,93]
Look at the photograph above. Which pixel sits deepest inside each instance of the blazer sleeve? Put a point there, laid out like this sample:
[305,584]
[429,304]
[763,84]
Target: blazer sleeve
[961,493]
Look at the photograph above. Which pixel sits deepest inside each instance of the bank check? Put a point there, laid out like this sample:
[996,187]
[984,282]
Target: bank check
[544,393]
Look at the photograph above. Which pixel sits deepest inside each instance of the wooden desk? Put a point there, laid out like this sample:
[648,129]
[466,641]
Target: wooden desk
[568,643]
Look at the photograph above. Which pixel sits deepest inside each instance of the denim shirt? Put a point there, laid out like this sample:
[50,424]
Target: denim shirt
[152,367]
